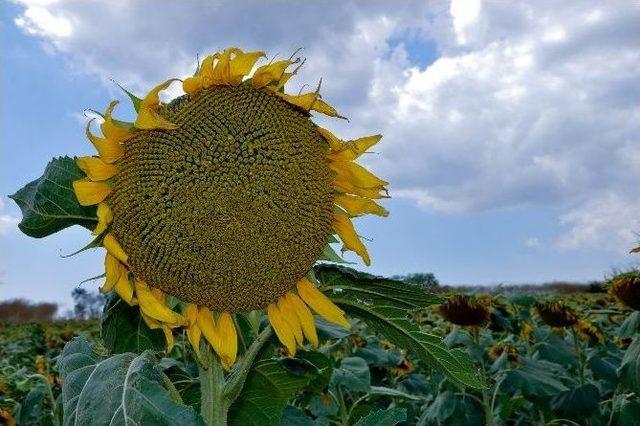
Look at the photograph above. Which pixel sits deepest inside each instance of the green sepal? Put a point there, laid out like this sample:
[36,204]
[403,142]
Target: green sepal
[95,243]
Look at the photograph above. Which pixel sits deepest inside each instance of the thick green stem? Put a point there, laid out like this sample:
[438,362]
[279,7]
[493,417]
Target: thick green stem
[578,349]
[213,406]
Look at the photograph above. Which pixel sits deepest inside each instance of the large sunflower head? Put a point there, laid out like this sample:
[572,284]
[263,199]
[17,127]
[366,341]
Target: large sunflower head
[465,310]
[225,198]
[626,288]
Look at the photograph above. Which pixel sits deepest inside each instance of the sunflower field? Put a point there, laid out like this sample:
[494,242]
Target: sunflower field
[583,371]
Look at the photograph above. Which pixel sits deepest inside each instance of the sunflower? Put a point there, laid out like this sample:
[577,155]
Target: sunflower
[626,288]
[464,310]
[556,314]
[223,199]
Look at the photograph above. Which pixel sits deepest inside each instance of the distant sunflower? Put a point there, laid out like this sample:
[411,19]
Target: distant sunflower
[464,310]
[626,288]
[225,198]
[556,314]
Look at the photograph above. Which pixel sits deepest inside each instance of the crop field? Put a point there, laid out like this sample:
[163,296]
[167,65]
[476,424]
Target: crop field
[585,373]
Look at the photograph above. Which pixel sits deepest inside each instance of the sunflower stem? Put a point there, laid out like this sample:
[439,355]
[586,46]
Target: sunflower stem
[213,406]
[239,376]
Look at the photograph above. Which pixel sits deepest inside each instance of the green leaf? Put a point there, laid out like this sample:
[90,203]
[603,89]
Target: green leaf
[576,403]
[535,378]
[121,389]
[49,204]
[266,393]
[36,407]
[630,367]
[123,329]
[294,416]
[388,417]
[381,390]
[136,101]
[353,374]
[631,325]
[384,305]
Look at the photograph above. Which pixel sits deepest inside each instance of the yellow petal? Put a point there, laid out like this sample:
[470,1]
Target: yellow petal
[290,316]
[90,193]
[113,246]
[340,184]
[348,150]
[304,102]
[168,335]
[281,328]
[304,317]
[208,326]
[228,340]
[110,150]
[148,117]
[321,303]
[270,73]
[350,239]
[96,169]
[104,218]
[355,173]
[356,206]
[124,288]
[242,64]
[193,85]
[112,272]
[110,129]
[194,334]
[192,314]
[153,307]
[324,108]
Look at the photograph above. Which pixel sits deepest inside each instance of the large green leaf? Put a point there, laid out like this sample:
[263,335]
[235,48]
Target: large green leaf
[353,374]
[266,393]
[535,378]
[388,417]
[384,305]
[123,329]
[630,366]
[126,388]
[577,403]
[49,204]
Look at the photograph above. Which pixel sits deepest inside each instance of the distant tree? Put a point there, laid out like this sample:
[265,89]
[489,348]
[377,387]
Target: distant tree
[423,279]
[85,304]
[20,310]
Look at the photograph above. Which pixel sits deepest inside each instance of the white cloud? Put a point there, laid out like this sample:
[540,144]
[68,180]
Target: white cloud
[8,222]
[525,106]
[532,242]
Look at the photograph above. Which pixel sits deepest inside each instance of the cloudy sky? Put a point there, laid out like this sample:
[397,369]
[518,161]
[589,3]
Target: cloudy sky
[511,132]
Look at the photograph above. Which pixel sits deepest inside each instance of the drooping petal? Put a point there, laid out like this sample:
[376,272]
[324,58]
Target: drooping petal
[269,73]
[241,65]
[350,239]
[282,329]
[207,324]
[112,272]
[96,169]
[193,85]
[348,150]
[110,129]
[113,246]
[193,330]
[104,218]
[124,288]
[335,144]
[290,316]
[90,193]
[304,317]
[110,150]
[155,308]
[321,303]
[148,117]
[341,184]
[324,108]
[168,335]
[228,339]
[355,173]
[356,206]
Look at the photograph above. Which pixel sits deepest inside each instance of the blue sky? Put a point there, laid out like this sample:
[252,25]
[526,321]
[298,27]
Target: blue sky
[503,162]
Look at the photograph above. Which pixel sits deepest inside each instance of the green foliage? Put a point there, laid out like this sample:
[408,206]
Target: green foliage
[49,204]
[121,389]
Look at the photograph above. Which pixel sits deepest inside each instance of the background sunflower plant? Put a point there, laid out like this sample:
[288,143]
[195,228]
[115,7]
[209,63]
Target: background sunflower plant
[217,211]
